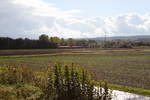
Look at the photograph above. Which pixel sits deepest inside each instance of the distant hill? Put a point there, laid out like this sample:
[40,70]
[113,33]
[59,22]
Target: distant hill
[130,38]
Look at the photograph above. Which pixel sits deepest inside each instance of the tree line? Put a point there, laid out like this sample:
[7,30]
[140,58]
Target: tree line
[19,43]
[43,42]
[124,44]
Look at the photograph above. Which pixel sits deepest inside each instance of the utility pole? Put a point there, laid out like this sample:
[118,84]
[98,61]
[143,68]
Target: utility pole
[105,37]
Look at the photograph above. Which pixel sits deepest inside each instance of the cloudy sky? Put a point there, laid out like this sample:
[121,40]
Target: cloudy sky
[74,18]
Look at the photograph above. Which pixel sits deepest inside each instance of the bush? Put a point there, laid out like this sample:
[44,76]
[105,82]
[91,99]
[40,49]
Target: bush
[22,92]
[16,75]
[7,93]
[70,83]
[56,83]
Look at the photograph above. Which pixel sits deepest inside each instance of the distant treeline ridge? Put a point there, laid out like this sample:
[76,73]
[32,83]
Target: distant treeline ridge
[45,42]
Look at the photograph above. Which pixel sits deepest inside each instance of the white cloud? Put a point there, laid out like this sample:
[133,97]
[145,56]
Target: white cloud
[30,18]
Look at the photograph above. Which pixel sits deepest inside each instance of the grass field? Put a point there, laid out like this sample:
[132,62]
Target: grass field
[124,67]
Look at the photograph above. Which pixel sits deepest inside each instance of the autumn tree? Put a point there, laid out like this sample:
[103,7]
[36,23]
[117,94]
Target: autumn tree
[55,40]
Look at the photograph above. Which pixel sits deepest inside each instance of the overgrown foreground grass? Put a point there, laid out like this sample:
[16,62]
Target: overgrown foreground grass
[55,83]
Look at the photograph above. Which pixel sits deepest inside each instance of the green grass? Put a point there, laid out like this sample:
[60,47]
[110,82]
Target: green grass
[129,67]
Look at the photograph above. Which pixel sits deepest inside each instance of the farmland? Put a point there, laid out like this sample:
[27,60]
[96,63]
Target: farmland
[123,67]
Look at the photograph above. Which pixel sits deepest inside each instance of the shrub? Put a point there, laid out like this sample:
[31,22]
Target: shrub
[70,83]
[15,75]
[22,92]
[57,83]
[7,93]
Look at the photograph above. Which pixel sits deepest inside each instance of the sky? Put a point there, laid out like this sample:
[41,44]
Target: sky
[104,7]
[74,18]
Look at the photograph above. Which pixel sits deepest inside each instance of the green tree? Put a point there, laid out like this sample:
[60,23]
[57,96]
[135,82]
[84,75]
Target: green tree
[44,38]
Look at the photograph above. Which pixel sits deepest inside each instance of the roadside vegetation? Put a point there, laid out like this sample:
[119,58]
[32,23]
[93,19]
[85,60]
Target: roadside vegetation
[50,83]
